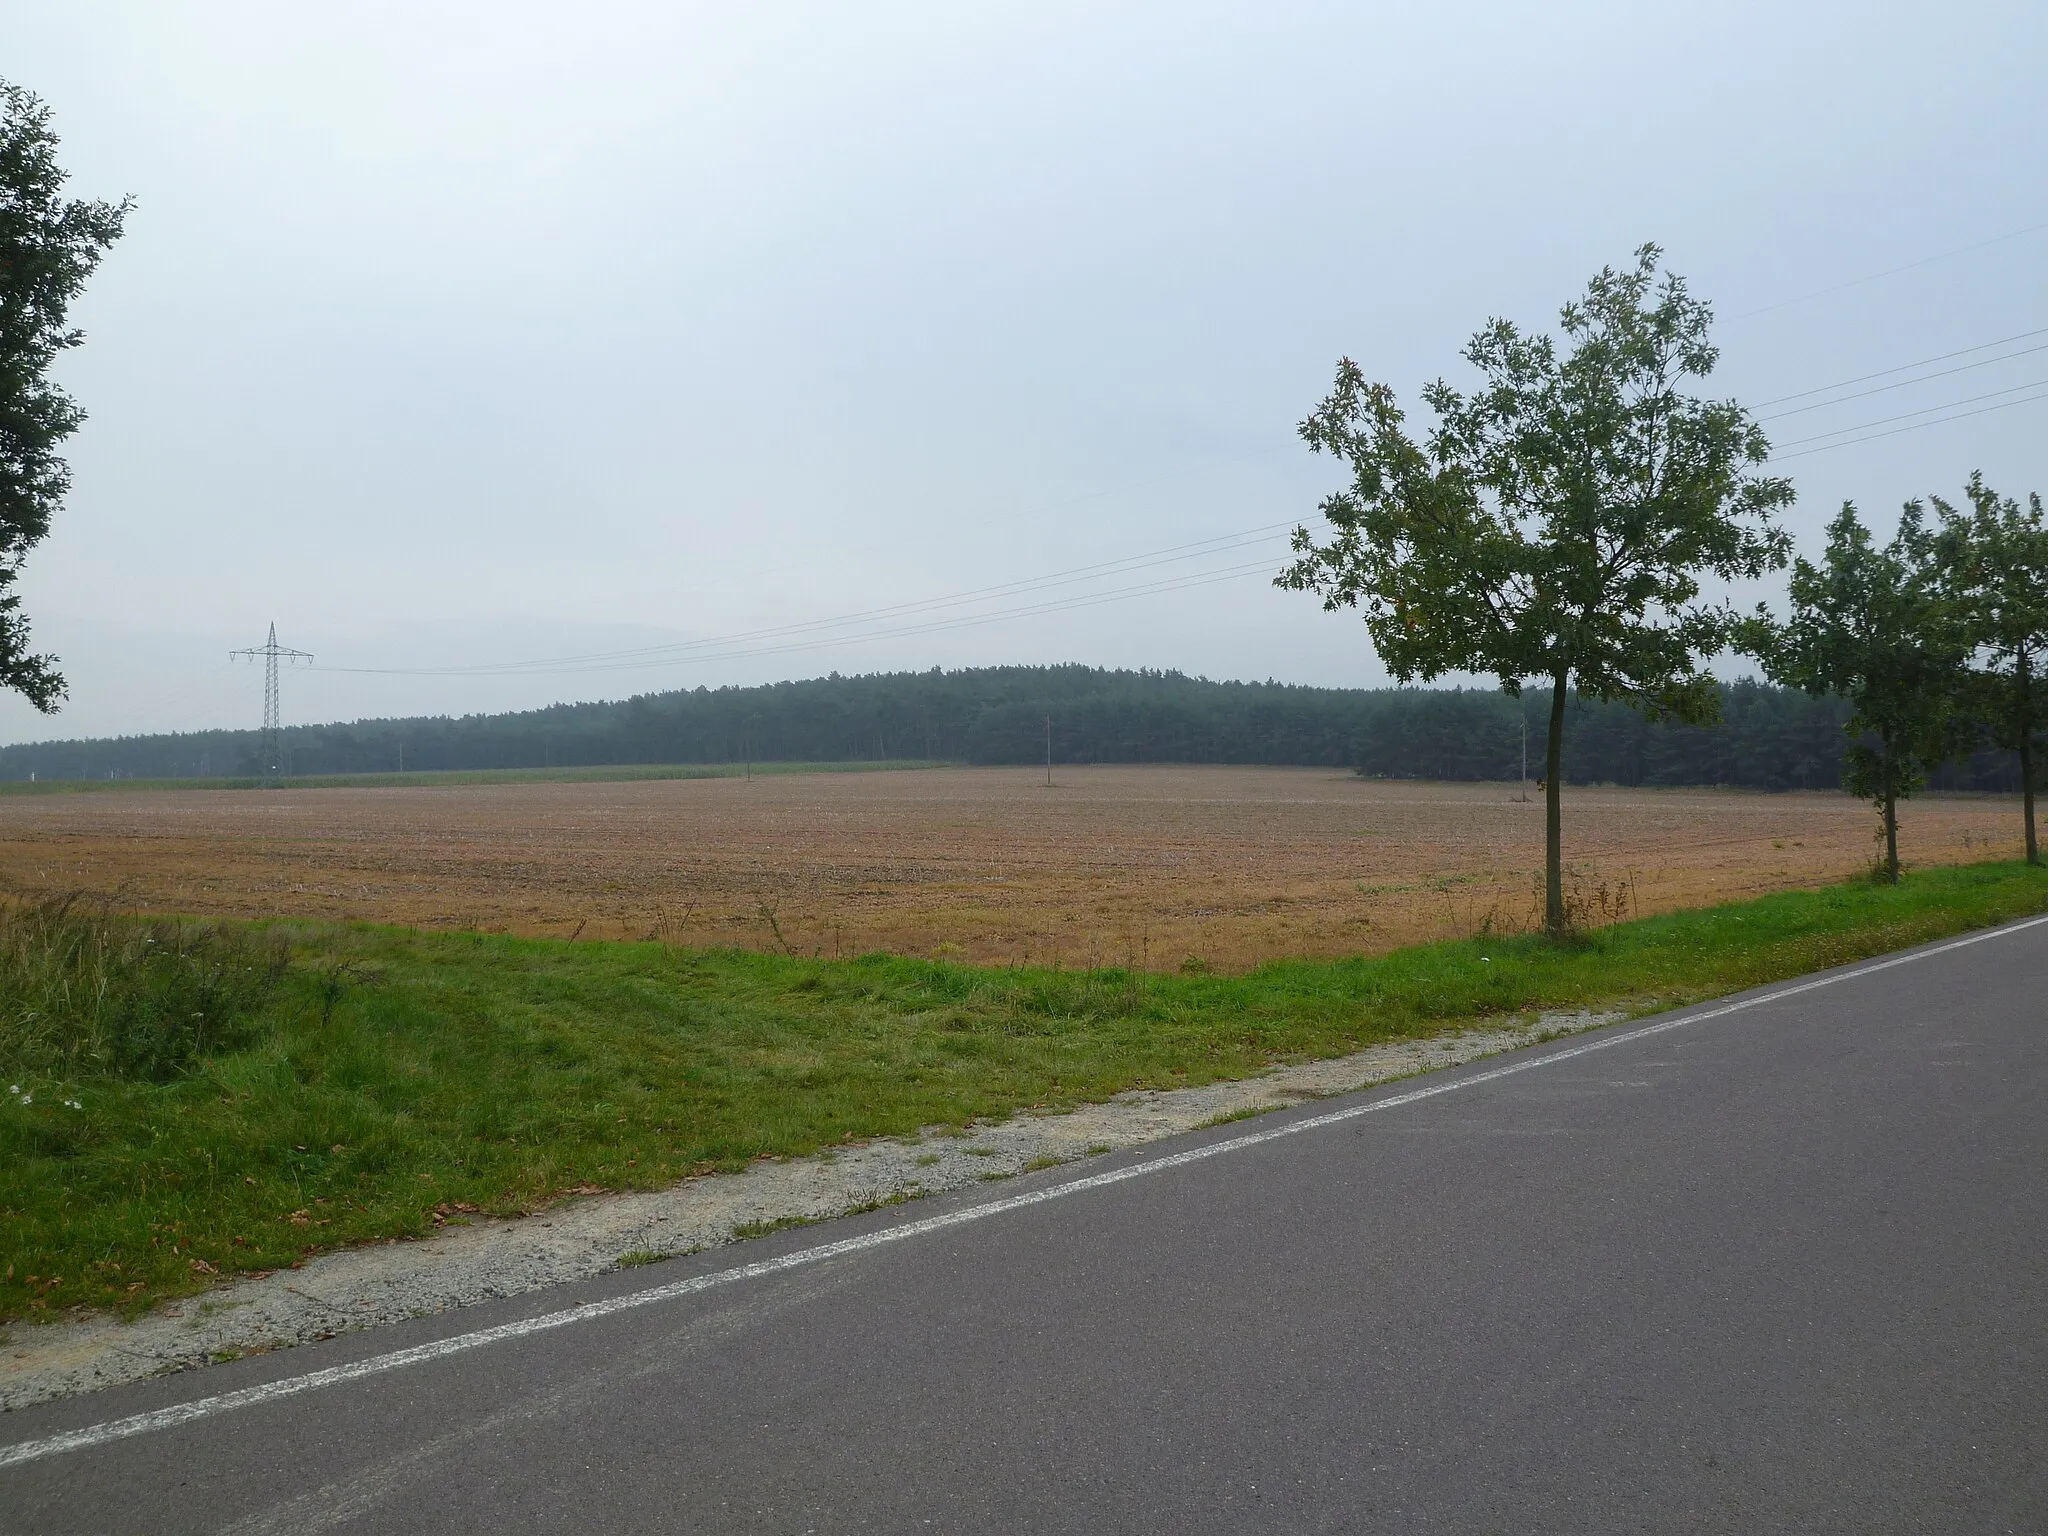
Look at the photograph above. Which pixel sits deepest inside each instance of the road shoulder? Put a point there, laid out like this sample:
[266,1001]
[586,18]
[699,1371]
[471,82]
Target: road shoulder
[474,1260]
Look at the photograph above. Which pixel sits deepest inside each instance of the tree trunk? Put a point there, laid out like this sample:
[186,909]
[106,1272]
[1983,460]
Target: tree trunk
[2027,795]
[1553,823]
[2026,724]
[1891,823]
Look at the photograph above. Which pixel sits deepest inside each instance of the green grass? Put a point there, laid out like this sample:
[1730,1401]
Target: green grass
[442,779]
[388,1078]
[752,1229]
[84,993]
[1232,1116]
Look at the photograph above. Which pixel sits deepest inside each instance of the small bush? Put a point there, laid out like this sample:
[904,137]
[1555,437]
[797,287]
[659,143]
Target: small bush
[85,992]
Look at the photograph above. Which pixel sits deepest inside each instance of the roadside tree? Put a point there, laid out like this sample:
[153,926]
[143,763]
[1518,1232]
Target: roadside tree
[49,246]
[1870,624]
[1992,559]
[1555,523]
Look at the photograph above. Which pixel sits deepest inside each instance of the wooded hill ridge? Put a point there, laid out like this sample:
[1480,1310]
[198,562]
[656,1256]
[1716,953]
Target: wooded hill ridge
[1768,738]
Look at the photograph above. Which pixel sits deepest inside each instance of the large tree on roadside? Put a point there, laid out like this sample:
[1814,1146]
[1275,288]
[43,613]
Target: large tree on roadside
[49,246]
[1869,623]
[1555,523]
[1992,561]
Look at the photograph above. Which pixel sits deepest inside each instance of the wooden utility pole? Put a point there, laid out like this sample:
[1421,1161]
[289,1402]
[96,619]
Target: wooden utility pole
[1048,751]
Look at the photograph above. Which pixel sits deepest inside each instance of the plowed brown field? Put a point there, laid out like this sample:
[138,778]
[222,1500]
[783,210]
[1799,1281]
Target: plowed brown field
[1115,865]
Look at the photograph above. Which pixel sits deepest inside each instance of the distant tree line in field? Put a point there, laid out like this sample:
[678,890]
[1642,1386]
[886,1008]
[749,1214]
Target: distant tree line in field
[1767,738]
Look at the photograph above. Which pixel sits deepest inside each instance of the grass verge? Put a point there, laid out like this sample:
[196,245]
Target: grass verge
[386,1082]
[617,773]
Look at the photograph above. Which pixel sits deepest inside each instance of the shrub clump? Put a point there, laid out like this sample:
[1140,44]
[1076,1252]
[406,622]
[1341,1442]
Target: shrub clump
[86,992]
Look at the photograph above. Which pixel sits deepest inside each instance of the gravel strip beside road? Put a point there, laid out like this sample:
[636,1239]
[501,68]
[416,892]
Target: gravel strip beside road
[370,1286]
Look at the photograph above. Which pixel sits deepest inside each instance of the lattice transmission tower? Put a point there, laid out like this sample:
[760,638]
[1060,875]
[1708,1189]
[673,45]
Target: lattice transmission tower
[273,736]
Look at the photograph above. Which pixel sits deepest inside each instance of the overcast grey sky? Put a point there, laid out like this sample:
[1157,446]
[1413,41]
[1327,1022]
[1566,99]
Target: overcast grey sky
[448,335]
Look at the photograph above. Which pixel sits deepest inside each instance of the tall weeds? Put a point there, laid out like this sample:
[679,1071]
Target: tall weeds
[87,992]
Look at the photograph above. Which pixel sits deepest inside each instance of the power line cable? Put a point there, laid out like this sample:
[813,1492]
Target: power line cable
[1925,378]
[1914,427]
[815,634]
[1061,605]
[1038,509]
[1173,554]
[1858,282]
[812,642]
[1928,410]
[1064,605]
[1885,373]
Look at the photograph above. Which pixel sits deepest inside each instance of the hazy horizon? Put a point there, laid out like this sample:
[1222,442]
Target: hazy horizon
[450,337]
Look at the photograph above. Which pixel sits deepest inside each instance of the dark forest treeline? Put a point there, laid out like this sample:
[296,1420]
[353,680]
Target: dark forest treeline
[1769,738]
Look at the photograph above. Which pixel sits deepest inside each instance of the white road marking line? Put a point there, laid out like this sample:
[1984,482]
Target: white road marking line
[291,1386]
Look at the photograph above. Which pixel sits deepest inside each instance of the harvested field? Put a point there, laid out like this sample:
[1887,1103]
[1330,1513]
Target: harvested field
[1116,865]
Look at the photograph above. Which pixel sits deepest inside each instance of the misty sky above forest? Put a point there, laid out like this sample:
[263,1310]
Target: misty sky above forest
[454,336]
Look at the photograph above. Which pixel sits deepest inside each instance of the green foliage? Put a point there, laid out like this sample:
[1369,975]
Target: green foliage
[84,994]
[1992,570]
[49,246]
[980,715]
[1869,624]
[1765,737]
[976,715]
[1554,523]
[461,1072]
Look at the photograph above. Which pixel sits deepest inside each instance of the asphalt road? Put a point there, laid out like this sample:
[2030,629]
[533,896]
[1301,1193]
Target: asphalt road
[1777,1270]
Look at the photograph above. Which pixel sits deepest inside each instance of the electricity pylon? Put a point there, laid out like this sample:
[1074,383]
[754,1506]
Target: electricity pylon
[273,737]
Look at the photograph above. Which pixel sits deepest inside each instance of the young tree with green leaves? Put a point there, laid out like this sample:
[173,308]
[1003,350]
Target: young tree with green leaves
[1993,565]
[49,246]
[1870,624]
[1555,523]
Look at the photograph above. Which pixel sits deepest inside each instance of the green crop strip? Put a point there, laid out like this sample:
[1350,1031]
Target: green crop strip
[449,778]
